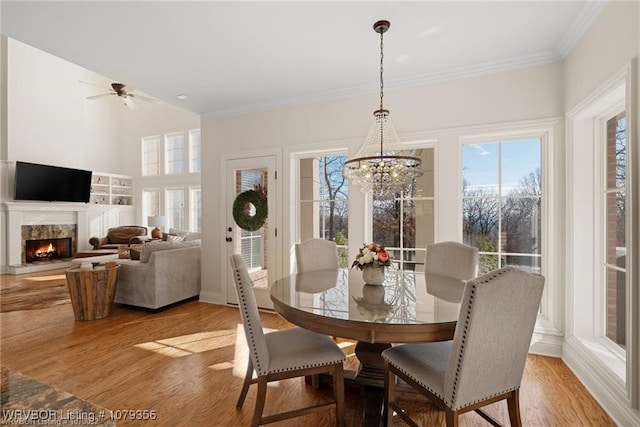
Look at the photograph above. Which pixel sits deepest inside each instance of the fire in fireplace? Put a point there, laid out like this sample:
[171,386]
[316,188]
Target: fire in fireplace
[47,249]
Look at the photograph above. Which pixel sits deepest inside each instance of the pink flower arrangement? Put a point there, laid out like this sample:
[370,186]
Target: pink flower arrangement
[372,254]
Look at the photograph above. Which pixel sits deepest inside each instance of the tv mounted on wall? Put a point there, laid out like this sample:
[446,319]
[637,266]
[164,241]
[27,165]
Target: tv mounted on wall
[51,183]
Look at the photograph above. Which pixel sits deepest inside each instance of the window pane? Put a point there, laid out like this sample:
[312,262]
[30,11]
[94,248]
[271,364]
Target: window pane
[487,263]
[150,156]
[615,230]
[174,153]
[150,203]
[616,307]
[505,216]
[616,153]
[196,209]
[531,264]
[480,219]
[405,225]
[480,165]
[195,151]
[324,202]
[521,227]
[175,208]
[521,167]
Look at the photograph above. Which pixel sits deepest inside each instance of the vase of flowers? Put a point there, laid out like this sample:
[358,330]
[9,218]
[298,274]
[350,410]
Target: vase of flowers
[372,259]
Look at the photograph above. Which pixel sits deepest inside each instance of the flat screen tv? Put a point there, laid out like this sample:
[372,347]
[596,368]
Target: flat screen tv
[51,183]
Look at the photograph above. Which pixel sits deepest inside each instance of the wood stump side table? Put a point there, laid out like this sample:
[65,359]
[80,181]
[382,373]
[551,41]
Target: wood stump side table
[92,291]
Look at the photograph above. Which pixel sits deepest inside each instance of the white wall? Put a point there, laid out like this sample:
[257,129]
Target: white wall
[523,94]
[606,49]
[48,118]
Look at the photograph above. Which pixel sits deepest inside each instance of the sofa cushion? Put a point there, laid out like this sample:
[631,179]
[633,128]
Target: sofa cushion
[185,235]
[152,247]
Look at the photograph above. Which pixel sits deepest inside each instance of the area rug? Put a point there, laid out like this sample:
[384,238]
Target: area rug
[26,401]
[34,296]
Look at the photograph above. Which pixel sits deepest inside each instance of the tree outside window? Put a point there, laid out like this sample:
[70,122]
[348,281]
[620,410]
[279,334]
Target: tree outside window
[502,203]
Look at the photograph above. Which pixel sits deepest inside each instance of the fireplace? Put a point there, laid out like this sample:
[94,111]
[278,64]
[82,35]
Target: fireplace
[47,249]
[48,242]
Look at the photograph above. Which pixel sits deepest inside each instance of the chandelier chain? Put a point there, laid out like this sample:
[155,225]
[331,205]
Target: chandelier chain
[381,68]
[381,93]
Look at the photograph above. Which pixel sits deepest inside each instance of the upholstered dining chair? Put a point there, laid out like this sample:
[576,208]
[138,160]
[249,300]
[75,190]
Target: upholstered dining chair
[447,267]
[316,254]
[283,354]
[485,361]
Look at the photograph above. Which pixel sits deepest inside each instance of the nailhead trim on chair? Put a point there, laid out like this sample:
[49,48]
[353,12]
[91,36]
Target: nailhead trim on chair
[464,339]
[254,350]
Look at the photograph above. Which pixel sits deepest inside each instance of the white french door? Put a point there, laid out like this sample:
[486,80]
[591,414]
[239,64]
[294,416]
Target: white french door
[257,247]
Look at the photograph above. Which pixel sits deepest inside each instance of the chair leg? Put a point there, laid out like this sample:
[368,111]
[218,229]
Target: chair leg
[260,399]
[389,394]
[513,403]
[245,386]
[338,393]
[451,417]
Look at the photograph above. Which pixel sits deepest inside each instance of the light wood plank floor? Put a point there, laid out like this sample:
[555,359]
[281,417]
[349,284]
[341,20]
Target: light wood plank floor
[187,363]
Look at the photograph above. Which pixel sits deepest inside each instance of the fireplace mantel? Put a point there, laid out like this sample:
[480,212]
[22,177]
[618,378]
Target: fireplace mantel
[89,219]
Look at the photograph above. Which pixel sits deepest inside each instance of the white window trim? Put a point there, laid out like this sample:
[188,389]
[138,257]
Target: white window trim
[585,351]
[549,325]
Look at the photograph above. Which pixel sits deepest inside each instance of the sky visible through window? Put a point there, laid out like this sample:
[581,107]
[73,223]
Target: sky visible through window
[481,162]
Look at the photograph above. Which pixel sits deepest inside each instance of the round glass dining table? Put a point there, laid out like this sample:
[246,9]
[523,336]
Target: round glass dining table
[405,308]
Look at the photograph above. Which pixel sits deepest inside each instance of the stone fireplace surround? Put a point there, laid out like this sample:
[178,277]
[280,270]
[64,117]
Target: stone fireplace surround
[46,232]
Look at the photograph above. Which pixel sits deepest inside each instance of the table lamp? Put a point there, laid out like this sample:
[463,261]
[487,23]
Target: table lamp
[157,222]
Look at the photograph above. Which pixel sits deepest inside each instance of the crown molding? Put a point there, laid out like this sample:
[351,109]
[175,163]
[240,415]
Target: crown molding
[580,26]
[438,76]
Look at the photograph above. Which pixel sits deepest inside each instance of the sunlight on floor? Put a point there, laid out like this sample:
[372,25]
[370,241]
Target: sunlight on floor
[191,344]
[46,278]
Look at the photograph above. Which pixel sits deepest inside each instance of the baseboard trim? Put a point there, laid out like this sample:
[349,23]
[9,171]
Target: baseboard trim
[546,345]
[212,298]
[599,383]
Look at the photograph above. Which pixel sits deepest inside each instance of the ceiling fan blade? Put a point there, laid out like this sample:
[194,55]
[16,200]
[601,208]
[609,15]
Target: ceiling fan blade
[102,95]
[129,102]
[145,98]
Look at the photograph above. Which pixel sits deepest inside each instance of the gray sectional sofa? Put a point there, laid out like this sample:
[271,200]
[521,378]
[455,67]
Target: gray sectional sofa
[167,272]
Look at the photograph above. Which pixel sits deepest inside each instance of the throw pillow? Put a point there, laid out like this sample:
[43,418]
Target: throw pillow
[134,254]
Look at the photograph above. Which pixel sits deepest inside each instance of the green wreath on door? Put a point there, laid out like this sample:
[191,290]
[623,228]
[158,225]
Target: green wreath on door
[247,218]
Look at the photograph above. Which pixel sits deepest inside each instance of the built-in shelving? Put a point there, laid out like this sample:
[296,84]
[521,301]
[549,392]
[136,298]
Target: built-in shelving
[111,189]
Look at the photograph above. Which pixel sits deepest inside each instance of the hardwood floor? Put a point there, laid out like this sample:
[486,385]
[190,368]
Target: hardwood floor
[187,364]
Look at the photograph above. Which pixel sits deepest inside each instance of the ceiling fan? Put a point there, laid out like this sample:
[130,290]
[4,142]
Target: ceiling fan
[122,91]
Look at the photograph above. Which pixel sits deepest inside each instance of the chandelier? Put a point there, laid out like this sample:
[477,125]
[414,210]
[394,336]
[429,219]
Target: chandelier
[382,166]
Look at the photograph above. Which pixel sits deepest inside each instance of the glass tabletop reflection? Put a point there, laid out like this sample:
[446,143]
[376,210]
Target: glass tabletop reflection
[405,298]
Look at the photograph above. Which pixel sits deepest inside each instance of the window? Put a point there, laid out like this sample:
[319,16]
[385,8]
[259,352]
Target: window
[615,247]
[195,209]
[174,208]
[150,203]
[323,202]
[405,224]
[172,191]
[151,156]
[252,243]
[174,153]
[502,203]
[195,151]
